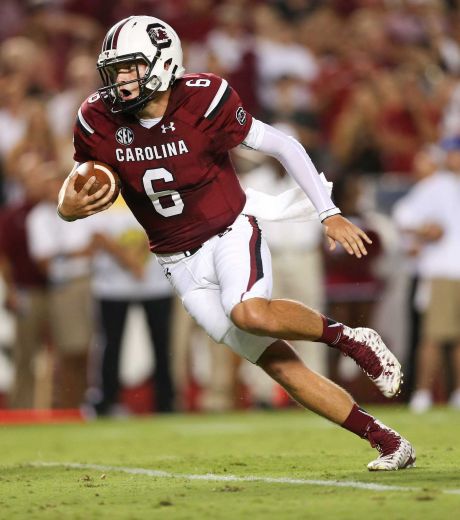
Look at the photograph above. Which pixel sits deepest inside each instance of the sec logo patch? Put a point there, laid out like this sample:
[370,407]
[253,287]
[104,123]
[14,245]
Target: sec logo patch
[124,135]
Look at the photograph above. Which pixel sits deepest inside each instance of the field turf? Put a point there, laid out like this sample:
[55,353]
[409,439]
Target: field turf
[268,465]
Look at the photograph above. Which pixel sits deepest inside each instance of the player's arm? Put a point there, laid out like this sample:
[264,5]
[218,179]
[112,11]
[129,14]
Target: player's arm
[292,155]
[88,132]
[73,205]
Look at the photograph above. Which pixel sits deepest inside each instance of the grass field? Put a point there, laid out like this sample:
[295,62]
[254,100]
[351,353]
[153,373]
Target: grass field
[283,465]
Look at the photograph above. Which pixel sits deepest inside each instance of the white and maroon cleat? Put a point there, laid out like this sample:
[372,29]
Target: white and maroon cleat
[396,452]
[370,353]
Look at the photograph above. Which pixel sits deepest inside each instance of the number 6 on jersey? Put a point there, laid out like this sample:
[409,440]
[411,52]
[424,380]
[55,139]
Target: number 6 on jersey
[156,174]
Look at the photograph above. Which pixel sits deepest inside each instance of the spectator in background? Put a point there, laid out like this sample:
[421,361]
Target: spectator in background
[352,290]
[354,140]
[229,40]
[194,20]
[38,140]
[31,60]
[27,294]
[376,96]
[292,105]
[81,78]
[405,120]
[383,123]
[441,31]
[58,33]
[450,117]
[126,274]
[426,161]
[292,10]
[11,15]
[348,52]
[429,215]
[64,257]
[278,54]
[230,52]
[13,106]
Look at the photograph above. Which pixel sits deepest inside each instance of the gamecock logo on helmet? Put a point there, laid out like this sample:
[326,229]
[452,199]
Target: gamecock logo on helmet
[158,35]
[124,135]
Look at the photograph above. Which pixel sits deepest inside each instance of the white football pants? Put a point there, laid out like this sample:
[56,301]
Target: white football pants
[229,268]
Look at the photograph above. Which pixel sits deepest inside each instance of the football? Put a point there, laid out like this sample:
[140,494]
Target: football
[104,174]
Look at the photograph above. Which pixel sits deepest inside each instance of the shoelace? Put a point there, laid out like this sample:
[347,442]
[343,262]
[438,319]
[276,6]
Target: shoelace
[362,354]
[385,441]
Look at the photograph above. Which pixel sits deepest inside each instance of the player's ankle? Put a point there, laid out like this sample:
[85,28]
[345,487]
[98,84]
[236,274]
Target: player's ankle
[332,331]
[359,422]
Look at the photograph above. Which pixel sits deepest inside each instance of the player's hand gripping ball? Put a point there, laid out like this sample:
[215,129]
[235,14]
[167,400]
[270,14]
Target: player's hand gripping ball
[104,174]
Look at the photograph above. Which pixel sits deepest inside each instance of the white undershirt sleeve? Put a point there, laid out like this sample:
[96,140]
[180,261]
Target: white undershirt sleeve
[292,155]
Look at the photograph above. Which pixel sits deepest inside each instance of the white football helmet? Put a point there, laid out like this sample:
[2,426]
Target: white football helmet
[139,39]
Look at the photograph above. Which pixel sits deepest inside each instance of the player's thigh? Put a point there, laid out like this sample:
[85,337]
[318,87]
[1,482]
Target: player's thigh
[206,308]
[243,263]
[195,282]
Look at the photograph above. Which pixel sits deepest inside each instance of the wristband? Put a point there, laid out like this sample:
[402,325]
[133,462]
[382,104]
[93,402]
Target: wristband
[329,213]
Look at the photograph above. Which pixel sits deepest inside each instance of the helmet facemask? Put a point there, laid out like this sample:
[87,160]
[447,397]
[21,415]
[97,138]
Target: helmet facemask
[110,92]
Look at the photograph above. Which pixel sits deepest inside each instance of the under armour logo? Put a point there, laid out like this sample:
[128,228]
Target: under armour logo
[171,127]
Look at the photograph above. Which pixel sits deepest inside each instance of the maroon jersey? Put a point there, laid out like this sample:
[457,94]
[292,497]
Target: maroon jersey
[177,177]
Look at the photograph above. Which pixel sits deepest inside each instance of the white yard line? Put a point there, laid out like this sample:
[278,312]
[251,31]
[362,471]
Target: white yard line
[211,477]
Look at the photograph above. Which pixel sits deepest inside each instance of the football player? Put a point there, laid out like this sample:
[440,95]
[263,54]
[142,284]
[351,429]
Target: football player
[168,135]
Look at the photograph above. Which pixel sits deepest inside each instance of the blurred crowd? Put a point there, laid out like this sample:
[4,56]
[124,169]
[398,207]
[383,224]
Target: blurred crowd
[371,88]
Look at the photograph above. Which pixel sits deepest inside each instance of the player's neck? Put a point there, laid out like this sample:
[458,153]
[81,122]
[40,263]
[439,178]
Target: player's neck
[156,107]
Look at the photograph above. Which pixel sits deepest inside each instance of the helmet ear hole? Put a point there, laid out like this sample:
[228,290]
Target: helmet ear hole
[168,64]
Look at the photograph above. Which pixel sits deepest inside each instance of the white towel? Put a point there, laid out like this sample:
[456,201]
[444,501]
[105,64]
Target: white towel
[292,205]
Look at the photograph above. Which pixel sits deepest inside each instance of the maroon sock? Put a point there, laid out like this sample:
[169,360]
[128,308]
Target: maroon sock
[332,331]
[358,421]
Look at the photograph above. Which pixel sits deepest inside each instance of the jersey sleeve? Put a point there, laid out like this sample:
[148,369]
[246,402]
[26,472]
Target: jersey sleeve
[224,119]
[85,136]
